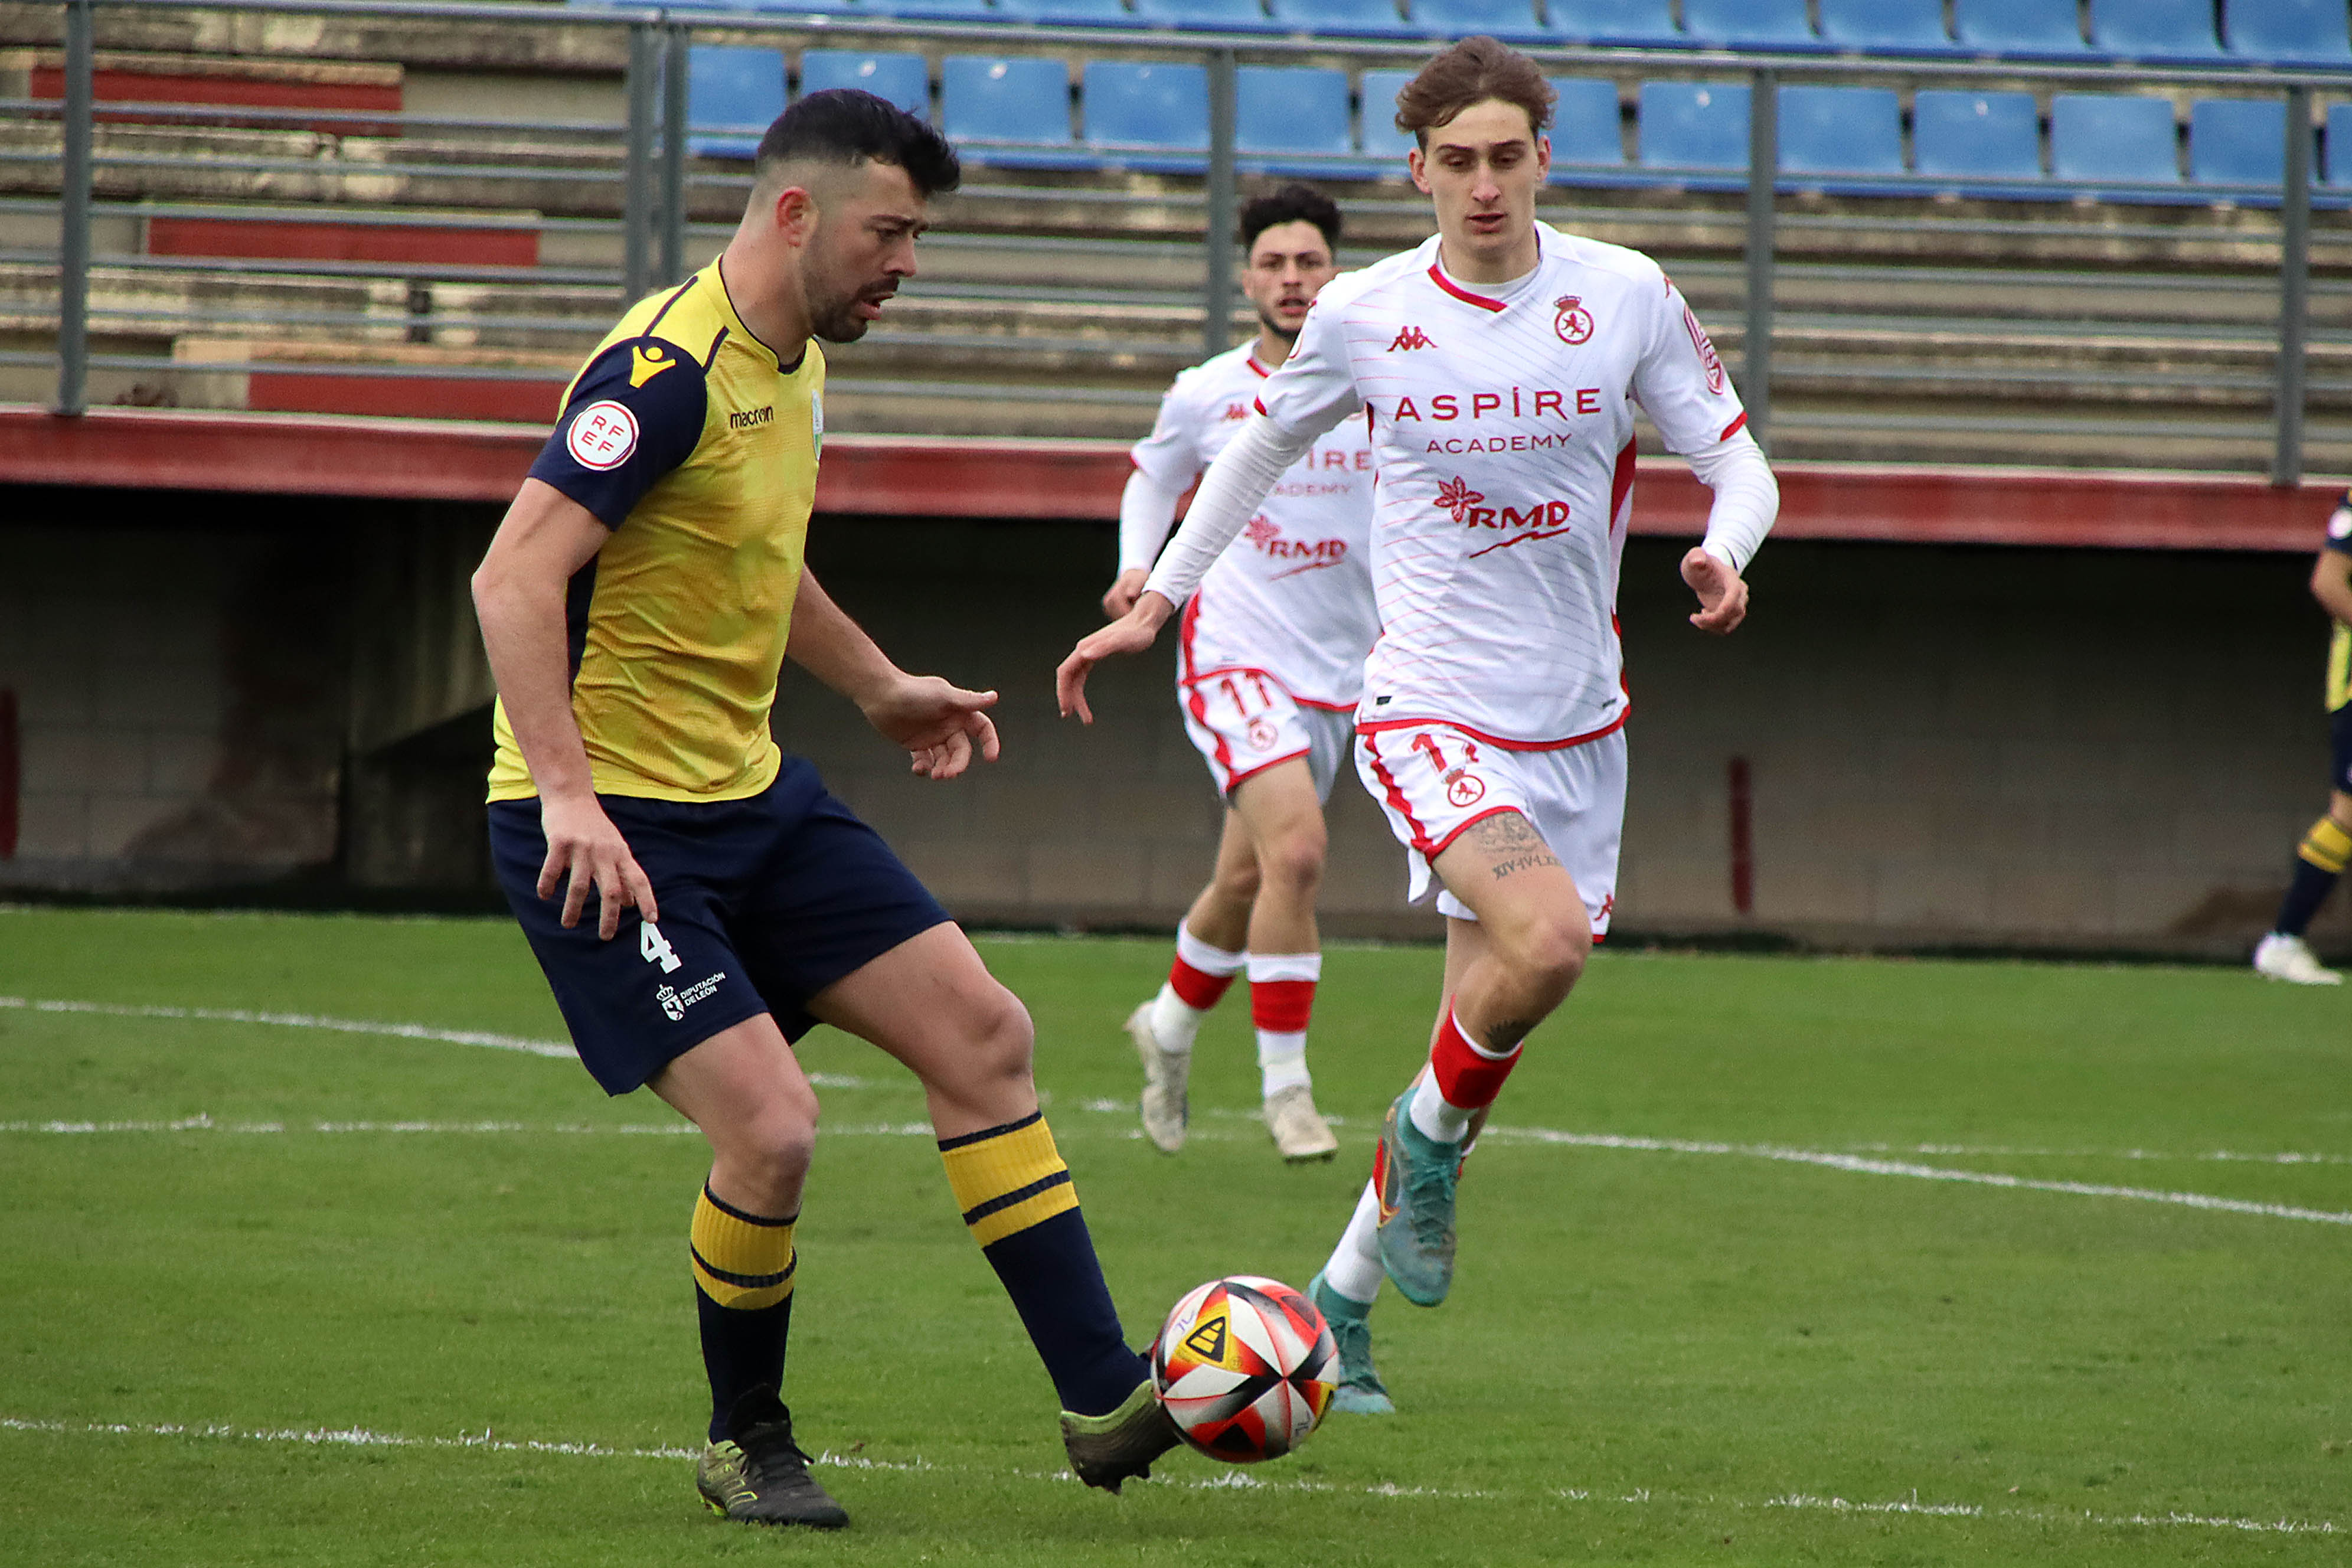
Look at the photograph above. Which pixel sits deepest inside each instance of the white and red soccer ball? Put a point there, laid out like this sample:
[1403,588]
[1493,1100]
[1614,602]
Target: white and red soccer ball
[1245,1366]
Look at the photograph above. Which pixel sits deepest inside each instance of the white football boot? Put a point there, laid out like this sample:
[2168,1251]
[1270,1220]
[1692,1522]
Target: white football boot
[2283,957]
[1166,1110]
[1298,1129]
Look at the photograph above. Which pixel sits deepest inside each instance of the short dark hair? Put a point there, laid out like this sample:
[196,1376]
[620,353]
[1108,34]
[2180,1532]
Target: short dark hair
[843,125]
[1296,201]
[1473,71]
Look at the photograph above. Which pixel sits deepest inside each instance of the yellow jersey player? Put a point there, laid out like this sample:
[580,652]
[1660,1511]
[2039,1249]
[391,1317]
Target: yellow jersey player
[2321,858]
[637,602]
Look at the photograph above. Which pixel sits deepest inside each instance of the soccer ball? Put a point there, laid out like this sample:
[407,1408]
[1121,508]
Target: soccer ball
[1246,1367]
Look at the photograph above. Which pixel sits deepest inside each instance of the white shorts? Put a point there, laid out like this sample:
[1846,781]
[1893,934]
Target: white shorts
[1246,722]
[1434,780]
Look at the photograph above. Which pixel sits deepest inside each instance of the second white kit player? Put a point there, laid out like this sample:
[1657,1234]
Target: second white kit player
[1269,666]
[1499,367]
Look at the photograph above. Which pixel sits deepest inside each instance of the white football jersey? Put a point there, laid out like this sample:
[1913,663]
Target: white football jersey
[1503,428]
[1293,596]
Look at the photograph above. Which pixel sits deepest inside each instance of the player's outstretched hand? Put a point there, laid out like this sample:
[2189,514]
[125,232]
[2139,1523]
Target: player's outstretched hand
[584,846]
[940,725]
[1722,594]
[1122,595]
[1131,632]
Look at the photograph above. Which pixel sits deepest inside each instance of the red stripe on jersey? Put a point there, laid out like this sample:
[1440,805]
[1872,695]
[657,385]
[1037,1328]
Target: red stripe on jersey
[1735,426]
[1282,1006]
[1621,483]
[1438,277]
[1250,360]
[1374,727]
[1396,797]
[1258,404]
[1200,709]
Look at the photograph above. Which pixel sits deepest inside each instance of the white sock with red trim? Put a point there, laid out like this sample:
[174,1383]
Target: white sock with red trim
[1196,981]
[1463,1077]
[1355,1269]
[1282,1001]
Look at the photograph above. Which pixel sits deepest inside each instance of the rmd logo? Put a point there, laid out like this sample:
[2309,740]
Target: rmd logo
[1544,519]
[1312,554]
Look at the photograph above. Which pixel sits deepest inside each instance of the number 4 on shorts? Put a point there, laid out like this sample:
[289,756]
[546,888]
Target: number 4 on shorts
[654,948]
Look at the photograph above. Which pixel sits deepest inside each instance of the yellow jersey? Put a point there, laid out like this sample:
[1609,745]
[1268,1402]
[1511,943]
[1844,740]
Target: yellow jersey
[686,438]
[2340,647]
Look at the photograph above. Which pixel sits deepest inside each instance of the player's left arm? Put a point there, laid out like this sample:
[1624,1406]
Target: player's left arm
[940,725]
[1681,384]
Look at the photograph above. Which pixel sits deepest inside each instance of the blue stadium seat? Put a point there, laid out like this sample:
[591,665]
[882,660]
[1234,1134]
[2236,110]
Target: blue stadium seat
[1614,21]
[2339,144]
[940,10]
[1840,130]
[728,86]
[1693,124]
[1588,126]
[2294,30]
[2018,27]
[1096,13]
[1749,24]
[2155,29]
[1506,19]
[1291,108]
[1372,19]
[1379,90]
[1975,135]
[2112,136]
[1154,106]
[1884,23]
[1024,101]
[1225,14]
[902,79]
[2237,142]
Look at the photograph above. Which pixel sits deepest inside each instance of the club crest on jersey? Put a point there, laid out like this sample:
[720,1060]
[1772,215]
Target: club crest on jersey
[1706,355]
[602,435]
[1464,790]
[1263,734]
[1411,338]
[1571,320]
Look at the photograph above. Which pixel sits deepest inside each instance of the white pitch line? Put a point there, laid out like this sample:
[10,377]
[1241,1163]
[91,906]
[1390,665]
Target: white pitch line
[303,1021]
[1225,1480]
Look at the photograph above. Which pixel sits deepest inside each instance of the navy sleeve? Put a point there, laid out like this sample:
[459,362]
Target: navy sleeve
[636,414]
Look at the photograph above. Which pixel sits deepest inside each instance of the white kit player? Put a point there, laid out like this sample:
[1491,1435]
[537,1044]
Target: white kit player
[1269,668]
[1499,367]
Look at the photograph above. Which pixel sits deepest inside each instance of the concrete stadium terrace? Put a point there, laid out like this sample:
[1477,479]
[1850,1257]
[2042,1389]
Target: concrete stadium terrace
[930,476]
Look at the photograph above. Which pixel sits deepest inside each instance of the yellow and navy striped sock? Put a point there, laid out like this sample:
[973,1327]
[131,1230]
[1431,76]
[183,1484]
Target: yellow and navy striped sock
[744,1269]
[1016,1197]
[2320,860]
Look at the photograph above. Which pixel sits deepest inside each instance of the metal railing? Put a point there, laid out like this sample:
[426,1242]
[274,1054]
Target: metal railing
[648,150]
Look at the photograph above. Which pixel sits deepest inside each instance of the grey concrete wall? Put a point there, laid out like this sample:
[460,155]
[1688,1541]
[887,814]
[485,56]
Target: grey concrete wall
[1978,746]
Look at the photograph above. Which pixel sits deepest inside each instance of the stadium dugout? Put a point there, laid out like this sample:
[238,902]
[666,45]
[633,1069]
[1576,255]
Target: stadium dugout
[2041,304]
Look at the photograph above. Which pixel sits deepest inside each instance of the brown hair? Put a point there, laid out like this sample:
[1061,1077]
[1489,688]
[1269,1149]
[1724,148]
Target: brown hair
[1473,71]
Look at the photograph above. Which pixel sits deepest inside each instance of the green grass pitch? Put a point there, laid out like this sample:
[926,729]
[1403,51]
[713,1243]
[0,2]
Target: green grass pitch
[1725,1295]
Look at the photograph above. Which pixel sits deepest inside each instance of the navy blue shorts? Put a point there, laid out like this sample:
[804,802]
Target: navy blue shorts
[764,902]
[2339,745]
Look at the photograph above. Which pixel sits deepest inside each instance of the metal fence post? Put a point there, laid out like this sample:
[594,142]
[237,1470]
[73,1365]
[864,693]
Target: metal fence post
[1217,294]
[1763,168]
[673,163]
[637,165]
[2294,289]
[73,214]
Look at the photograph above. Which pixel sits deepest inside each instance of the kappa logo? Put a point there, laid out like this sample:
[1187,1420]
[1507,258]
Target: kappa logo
[1571,321]
[1235,411]
[1208,1339]
[1411,338]
[647,361]
[602,435]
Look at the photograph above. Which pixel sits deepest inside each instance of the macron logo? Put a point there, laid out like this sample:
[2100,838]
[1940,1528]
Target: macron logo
[1411,338]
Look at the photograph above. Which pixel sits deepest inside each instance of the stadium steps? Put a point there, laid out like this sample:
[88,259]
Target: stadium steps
[436,42]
